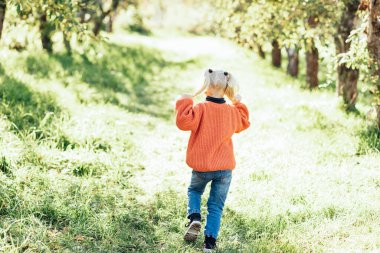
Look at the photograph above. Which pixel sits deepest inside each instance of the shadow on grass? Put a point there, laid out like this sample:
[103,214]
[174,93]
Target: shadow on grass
[244,234]
[109,218]
[28,110]
[352,110]
[93,219]
[127,76]
[312,118]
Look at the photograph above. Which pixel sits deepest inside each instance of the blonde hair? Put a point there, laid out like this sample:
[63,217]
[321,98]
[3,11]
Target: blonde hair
[220,79]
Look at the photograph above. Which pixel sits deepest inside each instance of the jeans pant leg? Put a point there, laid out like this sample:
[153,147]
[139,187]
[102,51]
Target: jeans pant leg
[215,203]
[195,191]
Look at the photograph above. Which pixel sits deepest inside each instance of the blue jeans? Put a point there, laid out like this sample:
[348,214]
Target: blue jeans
[220,183]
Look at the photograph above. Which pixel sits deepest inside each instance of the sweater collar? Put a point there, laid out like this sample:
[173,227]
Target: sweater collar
[216,100]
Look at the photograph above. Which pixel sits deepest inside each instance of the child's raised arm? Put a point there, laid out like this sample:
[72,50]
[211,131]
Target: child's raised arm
[242,121]
[187,116]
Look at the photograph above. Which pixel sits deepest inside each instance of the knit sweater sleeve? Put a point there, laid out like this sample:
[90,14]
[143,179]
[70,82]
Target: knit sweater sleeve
[242,119]
[188,116]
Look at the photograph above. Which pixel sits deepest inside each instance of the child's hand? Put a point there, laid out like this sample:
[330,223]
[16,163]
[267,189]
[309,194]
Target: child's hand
[236,99]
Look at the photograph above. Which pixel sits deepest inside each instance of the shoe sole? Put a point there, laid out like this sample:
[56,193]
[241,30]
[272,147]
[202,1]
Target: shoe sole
[193,231]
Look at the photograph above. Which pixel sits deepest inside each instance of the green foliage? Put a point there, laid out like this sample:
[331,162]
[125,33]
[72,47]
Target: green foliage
[300,24]
[357,57]
[61,14]
[259,22]
[76,21]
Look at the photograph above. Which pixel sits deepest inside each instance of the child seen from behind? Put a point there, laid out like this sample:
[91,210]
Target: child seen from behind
[210,149]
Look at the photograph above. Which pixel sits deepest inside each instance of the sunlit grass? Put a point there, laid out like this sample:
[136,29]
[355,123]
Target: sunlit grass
[91,160]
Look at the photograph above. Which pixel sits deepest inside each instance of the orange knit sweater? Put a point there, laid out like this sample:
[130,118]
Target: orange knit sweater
[212,125]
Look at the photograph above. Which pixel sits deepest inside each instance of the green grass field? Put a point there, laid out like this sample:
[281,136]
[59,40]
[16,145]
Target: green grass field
[91,159]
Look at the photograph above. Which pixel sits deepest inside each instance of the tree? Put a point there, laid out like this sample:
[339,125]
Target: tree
[46,30]
[347,76]
[102,13]
[248,22]
[262,22]
[276,54]
[67,16]
[112,15]
[374,35]
[294,25]
[374,46]
[261,51]
[99,18]
[293,61]
[51,16]
[312,65]
[3,7]
[312,56]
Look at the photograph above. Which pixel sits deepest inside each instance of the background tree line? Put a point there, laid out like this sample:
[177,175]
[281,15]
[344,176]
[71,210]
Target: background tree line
[351,28]
[347,31]
[71,18]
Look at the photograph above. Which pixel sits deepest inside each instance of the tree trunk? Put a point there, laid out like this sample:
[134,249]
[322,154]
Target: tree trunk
[276,54]
[46,30]
[97,25]
[374,43]
[374,33]
[312,57]
[82,15]
[115,4]
[98,22]
[261,52]
[109,26]
[293,61]
[66,41]
[347,83]
[98,19]
[3,7]
[347,77]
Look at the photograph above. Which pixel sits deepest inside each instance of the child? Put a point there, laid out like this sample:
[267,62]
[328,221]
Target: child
[210,149]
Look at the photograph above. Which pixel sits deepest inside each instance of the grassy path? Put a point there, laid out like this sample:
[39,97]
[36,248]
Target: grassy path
[105,171]
[299,185]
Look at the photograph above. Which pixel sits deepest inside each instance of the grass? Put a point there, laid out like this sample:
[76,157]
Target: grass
[24,108]
[91,160]
[369,140]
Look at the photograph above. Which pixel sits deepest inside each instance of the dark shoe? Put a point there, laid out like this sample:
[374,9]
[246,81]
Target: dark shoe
[209,245]
[194,227]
